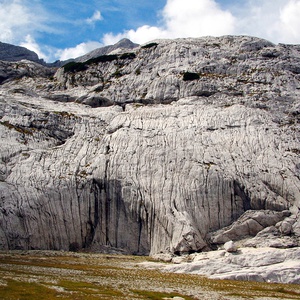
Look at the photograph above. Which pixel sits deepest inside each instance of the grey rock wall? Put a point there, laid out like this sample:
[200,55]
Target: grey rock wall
[163,161]
[10,52]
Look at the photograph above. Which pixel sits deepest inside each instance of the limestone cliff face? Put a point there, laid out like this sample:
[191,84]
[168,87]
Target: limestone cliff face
[151,151]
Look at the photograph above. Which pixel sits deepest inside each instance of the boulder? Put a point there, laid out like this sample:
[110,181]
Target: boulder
[230,246]
[249,224]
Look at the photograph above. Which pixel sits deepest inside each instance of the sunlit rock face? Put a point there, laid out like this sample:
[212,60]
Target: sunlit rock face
[153,150]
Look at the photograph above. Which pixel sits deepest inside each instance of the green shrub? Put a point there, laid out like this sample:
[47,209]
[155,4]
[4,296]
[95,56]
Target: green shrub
[187,76]
[102,58]
[128,56]
[117,74]
[137,71]
[151,45]
[73,67]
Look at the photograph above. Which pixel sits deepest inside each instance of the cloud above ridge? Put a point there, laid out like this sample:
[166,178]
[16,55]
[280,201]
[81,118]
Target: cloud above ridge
[32,45]
[290,20]
[78,50]
[276,20]
[189,18]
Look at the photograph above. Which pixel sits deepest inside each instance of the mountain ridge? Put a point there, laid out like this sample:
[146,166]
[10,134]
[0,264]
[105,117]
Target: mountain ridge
[9,52]
[13,53]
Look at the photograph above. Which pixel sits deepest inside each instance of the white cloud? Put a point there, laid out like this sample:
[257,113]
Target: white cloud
[77,51]
[189,18]
[17,20]
[290,20]
[32,45]
[20,20]
[276,20]
[194,18]
[95,17]
[141,35]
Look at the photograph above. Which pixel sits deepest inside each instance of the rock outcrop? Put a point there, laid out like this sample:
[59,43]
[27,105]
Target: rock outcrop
[249,224]
[153,150]
[10,52]
[248,264]
[13,71]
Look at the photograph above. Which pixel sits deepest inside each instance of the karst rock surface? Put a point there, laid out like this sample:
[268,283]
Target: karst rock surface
[152,151]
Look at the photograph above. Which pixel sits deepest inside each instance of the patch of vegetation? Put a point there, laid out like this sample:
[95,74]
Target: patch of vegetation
[65,114]
[36,275]
[188,76]
[216,45]
[137,71]
[90,289]
[128,56]
[20,129]
[102,58]
[295,150]
[159,295]
[150,45]
[15,290]
[83,173]
[253,289]
[99,89]
[73,67]
[117,73]
[213,75]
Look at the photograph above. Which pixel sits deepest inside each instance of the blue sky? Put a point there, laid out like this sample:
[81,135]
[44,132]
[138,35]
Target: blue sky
[59,29]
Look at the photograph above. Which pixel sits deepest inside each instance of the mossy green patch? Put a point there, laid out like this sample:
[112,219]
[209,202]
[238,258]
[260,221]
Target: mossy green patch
[154,295]
[69,275]
[21,129]
[15,290]
[90,289]
[252,289]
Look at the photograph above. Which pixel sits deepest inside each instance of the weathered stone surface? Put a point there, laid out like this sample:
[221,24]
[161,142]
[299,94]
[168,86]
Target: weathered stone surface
[149,162]
[263,265]
[24,68]
[10,52]
[271,237]
[249,224]
[230,246]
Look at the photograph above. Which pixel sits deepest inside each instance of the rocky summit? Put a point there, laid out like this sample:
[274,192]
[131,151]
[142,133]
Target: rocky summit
[174,147]
[10,52]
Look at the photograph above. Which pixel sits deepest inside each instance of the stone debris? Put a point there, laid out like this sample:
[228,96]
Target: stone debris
[230,246]
[248,264]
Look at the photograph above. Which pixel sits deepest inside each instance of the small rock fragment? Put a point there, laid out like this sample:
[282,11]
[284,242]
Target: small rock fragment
[230,246]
